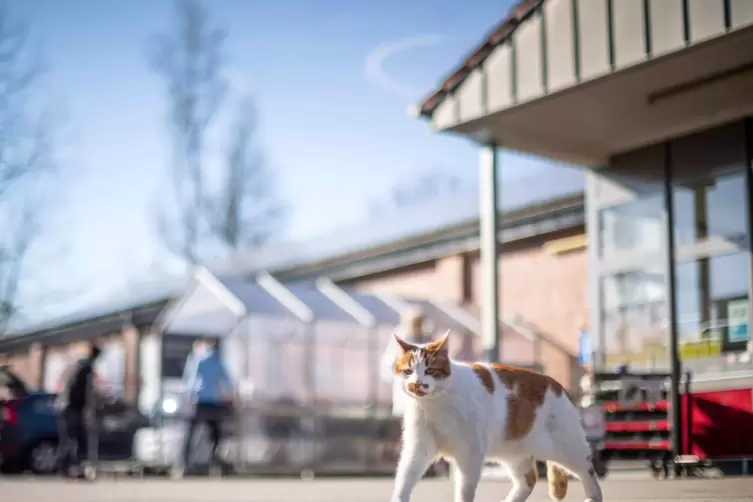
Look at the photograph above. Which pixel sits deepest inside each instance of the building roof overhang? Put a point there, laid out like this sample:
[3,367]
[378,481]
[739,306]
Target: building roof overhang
[579,81]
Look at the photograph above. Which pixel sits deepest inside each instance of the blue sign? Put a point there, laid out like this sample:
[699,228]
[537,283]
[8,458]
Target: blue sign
[737,318]
[739,333]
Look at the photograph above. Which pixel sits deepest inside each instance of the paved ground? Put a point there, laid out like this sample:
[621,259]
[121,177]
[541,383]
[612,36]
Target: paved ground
[625,489]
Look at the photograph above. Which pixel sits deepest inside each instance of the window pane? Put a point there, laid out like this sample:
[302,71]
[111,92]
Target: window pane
[632,228]
[711,209]
[635,319]
[712,304]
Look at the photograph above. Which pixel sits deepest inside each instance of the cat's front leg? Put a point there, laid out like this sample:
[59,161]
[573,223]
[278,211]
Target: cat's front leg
[467,475]
[419,450]
[523,474]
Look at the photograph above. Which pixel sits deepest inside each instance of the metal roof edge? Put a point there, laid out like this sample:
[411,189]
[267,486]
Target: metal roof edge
[458,232]
[138,315]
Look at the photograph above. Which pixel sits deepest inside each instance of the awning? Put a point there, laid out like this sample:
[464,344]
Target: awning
[581,80]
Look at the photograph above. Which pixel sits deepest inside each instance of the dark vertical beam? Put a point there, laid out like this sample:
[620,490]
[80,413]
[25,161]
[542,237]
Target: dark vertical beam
[700,206]
[727,15]
[610,33]
[544,52]
[513,70]
[467,279]
[688,437]
[43,372]
[576,40]
[484,88]
[490,247]
[686,22]
[749,204]
[675,365]
[647,28]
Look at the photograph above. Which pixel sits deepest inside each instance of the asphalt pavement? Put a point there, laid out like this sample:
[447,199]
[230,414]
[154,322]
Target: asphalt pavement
[624,489]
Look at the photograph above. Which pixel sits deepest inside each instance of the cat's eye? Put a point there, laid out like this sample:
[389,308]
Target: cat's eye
[430,371]
[407,372]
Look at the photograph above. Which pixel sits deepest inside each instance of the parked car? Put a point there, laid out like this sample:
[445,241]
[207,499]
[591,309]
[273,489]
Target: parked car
[29,427]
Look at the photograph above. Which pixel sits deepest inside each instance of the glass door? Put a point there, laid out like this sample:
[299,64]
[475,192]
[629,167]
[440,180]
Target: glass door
[710,197]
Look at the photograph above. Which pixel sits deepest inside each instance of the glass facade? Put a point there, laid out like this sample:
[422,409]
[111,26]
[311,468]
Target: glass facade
[710,196]
[628,198]
[708,177]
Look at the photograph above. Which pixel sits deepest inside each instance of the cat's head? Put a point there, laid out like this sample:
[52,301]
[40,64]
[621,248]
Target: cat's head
[424,369]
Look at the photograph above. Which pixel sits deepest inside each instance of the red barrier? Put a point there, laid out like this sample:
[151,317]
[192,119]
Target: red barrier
[721,423]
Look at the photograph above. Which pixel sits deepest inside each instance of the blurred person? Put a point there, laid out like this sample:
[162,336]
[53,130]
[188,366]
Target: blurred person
[75,402]
[411,329]
[210,393]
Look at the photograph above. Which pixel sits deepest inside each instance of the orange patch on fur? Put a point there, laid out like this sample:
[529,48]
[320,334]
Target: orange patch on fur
[436,345]
[532,476]
[557,478]
[404,362]
[438,364]
[416,389]
[483,374]
[529,389]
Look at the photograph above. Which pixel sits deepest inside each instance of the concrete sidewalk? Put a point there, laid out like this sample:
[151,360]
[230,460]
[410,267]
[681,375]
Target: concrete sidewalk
[352,490]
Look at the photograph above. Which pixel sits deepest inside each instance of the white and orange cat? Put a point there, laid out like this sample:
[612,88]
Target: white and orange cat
[471,413]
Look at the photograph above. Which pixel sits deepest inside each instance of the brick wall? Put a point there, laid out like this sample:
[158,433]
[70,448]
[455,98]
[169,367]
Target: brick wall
[546,290]
[420,281]
[549,291]
[31,362]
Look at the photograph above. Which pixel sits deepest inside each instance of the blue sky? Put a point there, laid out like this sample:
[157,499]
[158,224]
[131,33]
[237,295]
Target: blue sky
[332,81]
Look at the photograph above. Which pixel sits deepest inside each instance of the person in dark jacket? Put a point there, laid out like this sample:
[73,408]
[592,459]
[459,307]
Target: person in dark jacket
[73,403]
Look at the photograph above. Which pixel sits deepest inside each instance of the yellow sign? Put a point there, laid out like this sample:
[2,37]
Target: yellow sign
[700,349]
[655,355]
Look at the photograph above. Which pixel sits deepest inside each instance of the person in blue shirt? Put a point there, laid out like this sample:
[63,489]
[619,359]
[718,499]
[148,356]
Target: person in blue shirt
[210,391]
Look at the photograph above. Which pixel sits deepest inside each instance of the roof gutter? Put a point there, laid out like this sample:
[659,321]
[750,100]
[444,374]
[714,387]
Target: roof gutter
[137,316]
[463,235]
[518,14]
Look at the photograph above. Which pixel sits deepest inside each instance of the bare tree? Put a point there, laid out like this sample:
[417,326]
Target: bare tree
[244,212]
[189,58]
[25,159]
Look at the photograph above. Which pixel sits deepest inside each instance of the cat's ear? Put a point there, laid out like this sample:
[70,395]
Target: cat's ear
[404,346]
[439,345]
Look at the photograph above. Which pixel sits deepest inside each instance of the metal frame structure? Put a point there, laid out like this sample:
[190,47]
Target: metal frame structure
[308,354]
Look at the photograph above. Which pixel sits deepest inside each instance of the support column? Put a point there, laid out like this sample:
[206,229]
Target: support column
[35,365]
[749,204]
[131,378]
[675,364]
[489,223]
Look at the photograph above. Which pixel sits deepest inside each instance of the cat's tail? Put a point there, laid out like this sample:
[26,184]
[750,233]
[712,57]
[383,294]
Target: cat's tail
[557,478]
